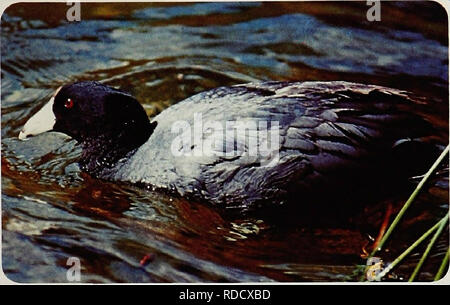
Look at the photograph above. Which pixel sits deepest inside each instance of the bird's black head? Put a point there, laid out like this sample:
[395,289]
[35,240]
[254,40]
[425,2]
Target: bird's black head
[108,122]
[86,110]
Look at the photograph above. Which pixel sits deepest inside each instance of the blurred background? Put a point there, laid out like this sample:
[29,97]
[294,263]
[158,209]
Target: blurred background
[163,53]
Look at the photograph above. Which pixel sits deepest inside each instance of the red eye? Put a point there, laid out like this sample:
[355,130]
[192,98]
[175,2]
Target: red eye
[69,103]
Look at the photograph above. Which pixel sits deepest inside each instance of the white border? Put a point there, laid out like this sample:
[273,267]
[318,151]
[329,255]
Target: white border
[6,281]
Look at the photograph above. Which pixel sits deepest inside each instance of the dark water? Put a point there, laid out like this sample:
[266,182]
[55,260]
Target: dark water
[163,53]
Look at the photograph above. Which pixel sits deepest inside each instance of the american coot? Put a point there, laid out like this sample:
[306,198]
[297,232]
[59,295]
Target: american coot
[300,142]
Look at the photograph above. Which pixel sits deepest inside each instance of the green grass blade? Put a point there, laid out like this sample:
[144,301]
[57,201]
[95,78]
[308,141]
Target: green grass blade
[410,200]
[428,249]
[441,270]
[410,249]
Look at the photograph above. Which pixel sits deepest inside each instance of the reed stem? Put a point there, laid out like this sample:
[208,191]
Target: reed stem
[410,200]
[441,270]
[428,249]
[411,248]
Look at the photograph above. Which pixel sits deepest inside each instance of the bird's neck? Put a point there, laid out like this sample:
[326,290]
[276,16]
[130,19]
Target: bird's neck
[103,153]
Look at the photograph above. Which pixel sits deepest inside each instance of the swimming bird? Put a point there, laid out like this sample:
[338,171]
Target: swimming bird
[249,146]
